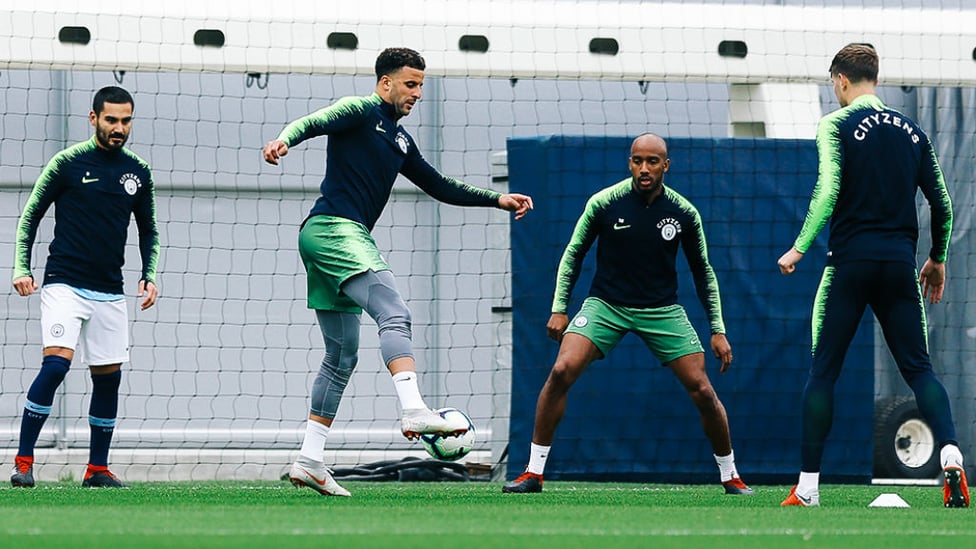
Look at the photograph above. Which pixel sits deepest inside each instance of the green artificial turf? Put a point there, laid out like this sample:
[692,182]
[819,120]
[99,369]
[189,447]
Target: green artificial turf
[470,515]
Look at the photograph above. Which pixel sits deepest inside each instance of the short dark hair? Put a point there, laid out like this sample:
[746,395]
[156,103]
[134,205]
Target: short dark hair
[857,62]
[111,94]
[391,60]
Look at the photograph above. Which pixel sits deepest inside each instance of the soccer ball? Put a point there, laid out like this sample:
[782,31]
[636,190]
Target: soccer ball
[448,448]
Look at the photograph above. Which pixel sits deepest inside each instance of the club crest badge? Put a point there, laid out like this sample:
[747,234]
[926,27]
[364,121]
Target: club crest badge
[131,183]
[401,141]
[670,228]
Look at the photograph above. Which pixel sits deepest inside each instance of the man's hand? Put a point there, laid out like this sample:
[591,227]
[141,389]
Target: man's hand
[557,325]
[514,202]
[25,285]
[274,150]
[149,289]
[722,350]
[932,278]
[787,263]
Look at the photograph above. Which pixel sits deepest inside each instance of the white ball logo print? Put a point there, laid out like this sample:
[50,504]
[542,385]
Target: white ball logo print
[670,228]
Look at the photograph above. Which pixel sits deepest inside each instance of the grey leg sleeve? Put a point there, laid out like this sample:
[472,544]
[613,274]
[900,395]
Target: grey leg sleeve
[377,294]
[341,334]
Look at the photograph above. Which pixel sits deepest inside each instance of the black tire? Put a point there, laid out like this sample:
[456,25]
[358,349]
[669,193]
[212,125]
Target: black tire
[904,444]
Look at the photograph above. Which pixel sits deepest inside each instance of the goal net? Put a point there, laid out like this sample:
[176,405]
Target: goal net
[220,371]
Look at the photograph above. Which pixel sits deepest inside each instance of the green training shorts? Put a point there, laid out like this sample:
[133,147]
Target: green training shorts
[666,331]
[334,250]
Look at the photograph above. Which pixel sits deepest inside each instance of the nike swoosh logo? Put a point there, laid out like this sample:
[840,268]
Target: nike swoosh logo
[803,500]
[86,180]
[379,127]
[618,227]
[311,476]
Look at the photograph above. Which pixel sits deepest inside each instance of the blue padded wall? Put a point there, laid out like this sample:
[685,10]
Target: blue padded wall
[627,417]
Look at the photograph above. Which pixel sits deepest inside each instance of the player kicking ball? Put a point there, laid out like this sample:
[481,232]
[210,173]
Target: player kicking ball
[367,149]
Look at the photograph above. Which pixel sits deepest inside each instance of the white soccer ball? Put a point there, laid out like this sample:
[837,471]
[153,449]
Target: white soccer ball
[448,448]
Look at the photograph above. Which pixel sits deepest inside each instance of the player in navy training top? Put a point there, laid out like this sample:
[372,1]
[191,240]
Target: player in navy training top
[367,149]
[96,187]
[639,224]
[873,161]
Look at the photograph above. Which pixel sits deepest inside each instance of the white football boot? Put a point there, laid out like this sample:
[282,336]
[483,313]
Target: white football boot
[316,476]
[797,500]
[423,421]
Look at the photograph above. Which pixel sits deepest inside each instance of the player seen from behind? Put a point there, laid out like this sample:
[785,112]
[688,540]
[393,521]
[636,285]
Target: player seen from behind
[873,161]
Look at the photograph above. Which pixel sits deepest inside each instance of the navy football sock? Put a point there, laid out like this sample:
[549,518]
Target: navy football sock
[102,413]
[40,397]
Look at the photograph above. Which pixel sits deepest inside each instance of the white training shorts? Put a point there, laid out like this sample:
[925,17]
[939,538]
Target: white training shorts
[98,331]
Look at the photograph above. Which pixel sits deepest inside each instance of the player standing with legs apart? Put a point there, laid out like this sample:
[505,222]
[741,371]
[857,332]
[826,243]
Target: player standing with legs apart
[367,149]
[873,160]
[96,187]
[639,223]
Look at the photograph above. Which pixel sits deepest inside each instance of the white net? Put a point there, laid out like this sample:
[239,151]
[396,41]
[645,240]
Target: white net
[220,369]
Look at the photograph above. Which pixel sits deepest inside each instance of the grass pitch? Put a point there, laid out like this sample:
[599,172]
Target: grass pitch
[567,515]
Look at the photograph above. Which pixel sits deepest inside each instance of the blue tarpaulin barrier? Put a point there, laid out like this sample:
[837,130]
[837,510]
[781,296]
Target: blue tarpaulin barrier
[627,417]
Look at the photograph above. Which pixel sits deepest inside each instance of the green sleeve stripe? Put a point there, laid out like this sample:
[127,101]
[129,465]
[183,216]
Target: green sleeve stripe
[40,199]
[30,218]
[583,236]
[706,283]
[148,242]
[325,120]
[486,194]
[150,251]
[137,158]
[569,264]
[941,208]
[825,192]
